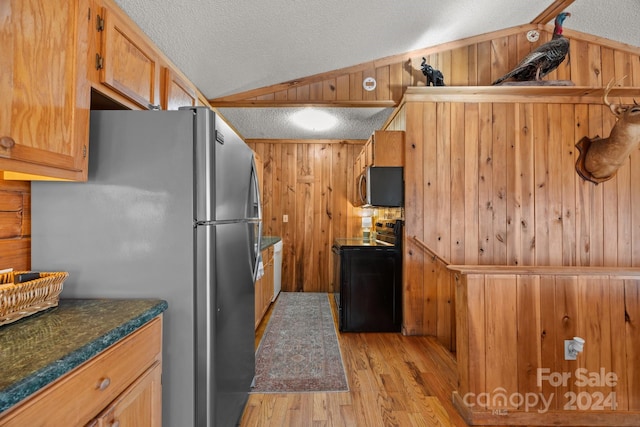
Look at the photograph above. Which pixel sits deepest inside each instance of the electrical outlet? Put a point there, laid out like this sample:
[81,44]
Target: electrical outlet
[285,218]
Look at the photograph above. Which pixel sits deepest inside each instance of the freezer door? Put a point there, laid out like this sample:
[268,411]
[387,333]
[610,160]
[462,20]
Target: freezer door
[233,173]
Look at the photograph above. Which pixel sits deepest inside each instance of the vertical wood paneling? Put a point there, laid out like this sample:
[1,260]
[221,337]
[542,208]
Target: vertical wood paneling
[619,350]
[523,202]
[413,296]
[583,192]
[632,335]
[596,226]
[568,156]
[442,214]
[500,63]
[516,323]
[513,190]
[457,237]
[551,304]
[554,184]
[501,127]
[308,182]
[501,333]
[541,169]
[471,151]
[595,326]
[528,300]
[526,179]
[525,165]
[463,331]
[477,344]
[634,213]
[485,176]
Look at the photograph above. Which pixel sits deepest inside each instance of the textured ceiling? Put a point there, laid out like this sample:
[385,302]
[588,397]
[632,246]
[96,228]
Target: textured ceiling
[231,46]
[276,123]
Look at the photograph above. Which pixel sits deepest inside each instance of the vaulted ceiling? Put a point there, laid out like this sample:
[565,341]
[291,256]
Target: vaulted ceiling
[228,47]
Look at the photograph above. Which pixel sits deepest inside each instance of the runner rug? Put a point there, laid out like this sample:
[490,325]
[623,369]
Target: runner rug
[299,351]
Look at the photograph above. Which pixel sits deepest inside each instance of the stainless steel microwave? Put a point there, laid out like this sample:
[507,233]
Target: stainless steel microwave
[380,186]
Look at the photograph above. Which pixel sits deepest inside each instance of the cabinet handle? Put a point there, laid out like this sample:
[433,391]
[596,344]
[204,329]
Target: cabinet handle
[7,142]
[104,384]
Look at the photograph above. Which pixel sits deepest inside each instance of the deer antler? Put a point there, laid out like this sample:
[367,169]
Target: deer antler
[610,86]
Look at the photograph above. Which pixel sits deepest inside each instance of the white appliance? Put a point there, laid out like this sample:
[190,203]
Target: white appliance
[277,269]
[172,211]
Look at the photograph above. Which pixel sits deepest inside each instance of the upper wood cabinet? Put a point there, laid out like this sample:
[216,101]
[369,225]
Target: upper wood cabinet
[45,95]
[385,148]
[176,91]
[128,64]
[360,162]
[55,54]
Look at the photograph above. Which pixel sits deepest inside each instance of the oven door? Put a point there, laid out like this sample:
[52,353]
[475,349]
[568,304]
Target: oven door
[370,281]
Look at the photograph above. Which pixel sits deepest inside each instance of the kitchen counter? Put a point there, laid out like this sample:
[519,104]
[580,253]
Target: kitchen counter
[269,241]
[39,349]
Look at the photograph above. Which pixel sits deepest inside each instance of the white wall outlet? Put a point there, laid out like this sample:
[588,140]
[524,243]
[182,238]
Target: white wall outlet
[285,218]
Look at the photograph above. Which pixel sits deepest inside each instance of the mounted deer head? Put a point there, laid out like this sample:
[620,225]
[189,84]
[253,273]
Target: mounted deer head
[600,158]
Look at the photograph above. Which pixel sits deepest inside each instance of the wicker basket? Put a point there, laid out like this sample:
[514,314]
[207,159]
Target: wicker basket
[24,299]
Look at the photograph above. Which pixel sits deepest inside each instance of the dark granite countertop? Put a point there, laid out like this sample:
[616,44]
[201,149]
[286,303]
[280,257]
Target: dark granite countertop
[41,348]
[269,241]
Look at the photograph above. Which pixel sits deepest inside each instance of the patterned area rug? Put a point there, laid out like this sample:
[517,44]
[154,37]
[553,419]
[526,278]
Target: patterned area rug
[299,351]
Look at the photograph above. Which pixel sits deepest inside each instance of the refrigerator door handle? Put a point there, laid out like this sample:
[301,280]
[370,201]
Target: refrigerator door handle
[255,202]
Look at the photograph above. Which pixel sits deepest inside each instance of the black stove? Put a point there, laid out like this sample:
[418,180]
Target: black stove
[368,275]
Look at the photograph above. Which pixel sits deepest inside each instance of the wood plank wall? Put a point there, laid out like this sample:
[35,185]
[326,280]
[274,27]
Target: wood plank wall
[15,225]
[476,61]
[311,183]
[494,183]
[520,326]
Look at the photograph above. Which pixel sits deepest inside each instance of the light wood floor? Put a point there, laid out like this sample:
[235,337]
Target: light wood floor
[394,380]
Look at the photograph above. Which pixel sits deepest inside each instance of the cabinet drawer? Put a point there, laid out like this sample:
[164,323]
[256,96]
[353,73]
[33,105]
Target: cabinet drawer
[80,395]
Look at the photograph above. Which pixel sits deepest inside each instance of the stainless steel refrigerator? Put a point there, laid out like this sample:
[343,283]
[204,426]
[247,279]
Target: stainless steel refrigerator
[171,210]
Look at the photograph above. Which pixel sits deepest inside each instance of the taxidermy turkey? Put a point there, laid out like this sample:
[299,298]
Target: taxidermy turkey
[543,60]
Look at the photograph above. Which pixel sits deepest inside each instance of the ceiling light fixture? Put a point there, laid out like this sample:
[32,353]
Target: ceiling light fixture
[313,119]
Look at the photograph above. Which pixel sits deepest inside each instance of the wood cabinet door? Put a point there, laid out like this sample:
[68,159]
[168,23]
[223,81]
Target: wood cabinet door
[129,64]
[139,405]
[44,109]
[387,148]
[369,155]
[177,92]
